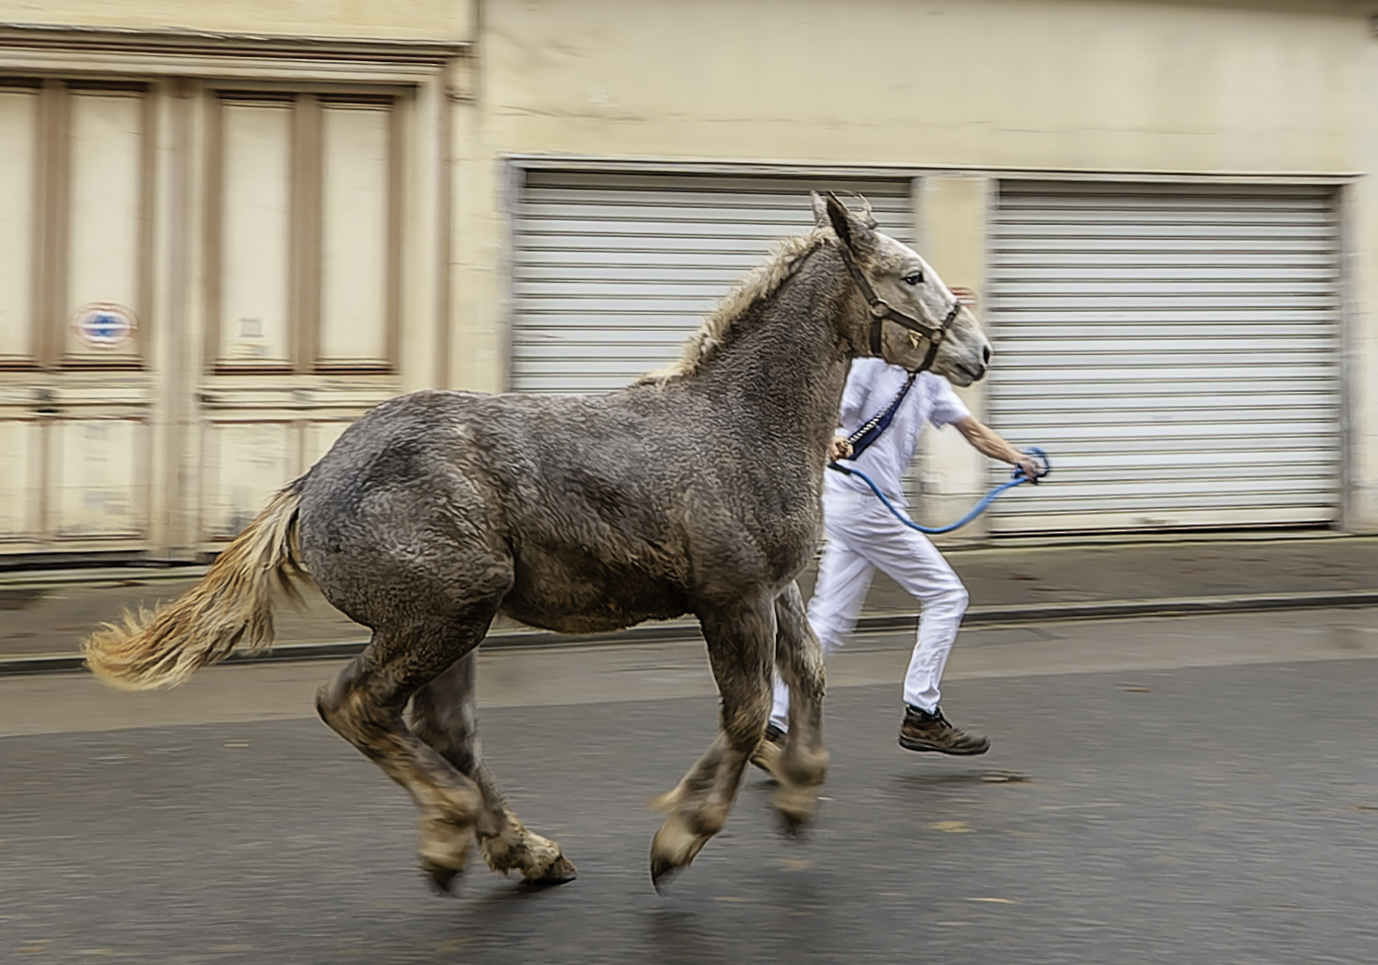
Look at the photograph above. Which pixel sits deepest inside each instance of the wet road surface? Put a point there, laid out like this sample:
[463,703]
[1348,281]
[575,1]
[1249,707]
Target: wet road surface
[1191,790]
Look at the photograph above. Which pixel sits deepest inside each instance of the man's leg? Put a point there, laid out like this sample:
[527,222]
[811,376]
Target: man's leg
[912,561]
[844,576]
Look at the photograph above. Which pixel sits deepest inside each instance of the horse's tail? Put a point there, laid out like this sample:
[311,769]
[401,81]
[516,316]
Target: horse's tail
[230,607]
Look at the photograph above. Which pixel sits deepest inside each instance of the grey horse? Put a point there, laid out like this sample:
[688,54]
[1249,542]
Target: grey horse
[696,490]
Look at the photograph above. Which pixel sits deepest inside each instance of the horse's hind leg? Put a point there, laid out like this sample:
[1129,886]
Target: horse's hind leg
[799,660]
[444,715]
[741,644]
[364,705]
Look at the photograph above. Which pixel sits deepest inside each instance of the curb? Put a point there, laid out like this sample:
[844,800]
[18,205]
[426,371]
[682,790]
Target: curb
[106,576]
[1161,607]
[687,630]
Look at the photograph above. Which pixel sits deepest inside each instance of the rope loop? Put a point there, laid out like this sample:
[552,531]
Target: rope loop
[1018,477]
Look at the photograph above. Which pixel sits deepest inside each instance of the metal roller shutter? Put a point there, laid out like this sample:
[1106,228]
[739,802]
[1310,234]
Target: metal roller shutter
[612,272]
[1176,350]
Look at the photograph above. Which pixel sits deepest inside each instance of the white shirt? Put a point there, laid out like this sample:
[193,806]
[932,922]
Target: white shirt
[872,385]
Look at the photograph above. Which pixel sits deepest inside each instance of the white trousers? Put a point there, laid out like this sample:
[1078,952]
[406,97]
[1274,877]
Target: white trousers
[862,538]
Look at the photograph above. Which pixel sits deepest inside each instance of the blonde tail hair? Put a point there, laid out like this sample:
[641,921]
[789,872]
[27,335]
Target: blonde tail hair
[229,608]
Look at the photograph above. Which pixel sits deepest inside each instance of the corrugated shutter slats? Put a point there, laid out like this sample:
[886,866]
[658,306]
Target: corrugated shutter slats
[612,272]
[1175,349]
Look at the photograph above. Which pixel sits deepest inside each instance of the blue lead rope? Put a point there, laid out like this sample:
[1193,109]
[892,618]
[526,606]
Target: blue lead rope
[977,510]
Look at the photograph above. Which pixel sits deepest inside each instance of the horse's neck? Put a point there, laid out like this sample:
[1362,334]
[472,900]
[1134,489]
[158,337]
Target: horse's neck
[784,363]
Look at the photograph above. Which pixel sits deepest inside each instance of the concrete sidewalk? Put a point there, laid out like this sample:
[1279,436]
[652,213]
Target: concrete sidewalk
[44,616]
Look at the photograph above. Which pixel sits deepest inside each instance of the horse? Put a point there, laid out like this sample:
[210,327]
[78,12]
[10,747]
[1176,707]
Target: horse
[696,490]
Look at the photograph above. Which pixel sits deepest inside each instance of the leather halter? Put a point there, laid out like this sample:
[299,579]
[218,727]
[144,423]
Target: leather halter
[881,311]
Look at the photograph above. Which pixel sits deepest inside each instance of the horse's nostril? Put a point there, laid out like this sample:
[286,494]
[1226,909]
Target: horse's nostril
[985,355]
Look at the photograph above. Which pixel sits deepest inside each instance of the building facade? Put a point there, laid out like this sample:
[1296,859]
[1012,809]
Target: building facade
[228,230]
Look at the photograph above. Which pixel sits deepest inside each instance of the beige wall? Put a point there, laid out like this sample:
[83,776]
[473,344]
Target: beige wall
[991,83]
[373,19]
[952,211]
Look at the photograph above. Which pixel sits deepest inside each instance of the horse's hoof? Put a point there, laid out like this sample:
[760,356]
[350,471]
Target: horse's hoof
[795,807]
[441,879]
[673,848]
[662,871]
[558,872]
[795,812]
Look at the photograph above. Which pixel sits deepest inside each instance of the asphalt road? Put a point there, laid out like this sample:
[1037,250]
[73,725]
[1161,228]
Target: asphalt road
[1190,790]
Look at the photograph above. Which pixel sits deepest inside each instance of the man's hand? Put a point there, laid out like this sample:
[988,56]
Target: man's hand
[839,448]
[1031,466]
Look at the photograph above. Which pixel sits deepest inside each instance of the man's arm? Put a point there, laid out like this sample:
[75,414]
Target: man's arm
[988,442]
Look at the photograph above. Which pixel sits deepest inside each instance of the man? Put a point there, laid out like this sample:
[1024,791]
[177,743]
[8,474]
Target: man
[863,536]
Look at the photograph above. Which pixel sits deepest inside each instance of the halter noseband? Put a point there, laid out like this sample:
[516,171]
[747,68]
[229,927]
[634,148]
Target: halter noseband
[881,310]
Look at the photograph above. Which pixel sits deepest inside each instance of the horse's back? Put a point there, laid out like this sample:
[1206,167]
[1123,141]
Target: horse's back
[437,499]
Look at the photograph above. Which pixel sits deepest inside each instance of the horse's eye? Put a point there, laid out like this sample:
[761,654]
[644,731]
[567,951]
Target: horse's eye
[913,278]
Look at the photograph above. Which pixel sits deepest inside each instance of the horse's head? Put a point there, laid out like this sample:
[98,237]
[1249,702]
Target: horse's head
[909,304]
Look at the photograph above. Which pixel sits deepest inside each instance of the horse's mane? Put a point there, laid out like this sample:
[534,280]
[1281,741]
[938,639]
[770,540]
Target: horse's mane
[761,282]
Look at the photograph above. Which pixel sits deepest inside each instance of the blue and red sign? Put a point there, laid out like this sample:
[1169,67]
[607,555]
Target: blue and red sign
[104,326]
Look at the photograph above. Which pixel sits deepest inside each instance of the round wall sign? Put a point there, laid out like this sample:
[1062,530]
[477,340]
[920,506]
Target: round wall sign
[103,325]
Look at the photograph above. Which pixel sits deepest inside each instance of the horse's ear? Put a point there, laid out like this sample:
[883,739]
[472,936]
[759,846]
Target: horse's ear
[868,217]
[851,231]
[840,219]
[820,209]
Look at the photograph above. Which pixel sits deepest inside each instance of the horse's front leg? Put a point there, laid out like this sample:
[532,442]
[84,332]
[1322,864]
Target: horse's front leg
[741,646]
[444,715]
[799,660]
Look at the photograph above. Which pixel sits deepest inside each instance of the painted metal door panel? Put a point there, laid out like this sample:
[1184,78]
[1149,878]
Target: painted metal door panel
[21,478]
[254,237]
[107,197]
[1177,350]
[20,449]
[18,187]
[75,229]
[245,463]
[101,470]
[356,204]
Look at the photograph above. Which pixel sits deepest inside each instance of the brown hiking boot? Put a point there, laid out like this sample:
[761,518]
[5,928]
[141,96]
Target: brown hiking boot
[923,731]
[768,752]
